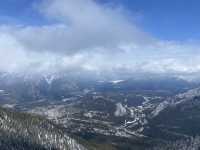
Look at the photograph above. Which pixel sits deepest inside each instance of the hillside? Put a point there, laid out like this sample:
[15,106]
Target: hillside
[23,131]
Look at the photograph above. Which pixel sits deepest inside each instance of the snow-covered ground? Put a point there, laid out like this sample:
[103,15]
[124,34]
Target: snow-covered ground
[116,81]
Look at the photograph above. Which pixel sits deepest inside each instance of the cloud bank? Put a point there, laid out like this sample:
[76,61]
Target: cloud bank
[87,35]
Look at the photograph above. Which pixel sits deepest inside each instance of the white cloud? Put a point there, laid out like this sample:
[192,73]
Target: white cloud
[83,25]
[91,36]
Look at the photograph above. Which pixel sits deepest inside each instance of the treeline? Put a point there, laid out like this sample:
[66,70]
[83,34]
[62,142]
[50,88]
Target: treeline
[15,142]
[21,131]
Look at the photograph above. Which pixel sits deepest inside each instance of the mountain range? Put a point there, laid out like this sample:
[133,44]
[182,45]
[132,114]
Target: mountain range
[65,112]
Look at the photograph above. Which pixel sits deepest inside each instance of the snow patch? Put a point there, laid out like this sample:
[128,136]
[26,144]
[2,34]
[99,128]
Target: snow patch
[160,108]
[120,110]
[49,79]
[1,91]
[116,81]
[8,106]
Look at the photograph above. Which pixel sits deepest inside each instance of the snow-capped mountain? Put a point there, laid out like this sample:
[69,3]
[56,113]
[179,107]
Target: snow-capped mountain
[116,110]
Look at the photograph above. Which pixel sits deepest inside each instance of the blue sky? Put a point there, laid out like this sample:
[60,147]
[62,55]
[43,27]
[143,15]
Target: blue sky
[165,19]
[20,12]
[168,19]
[156,36]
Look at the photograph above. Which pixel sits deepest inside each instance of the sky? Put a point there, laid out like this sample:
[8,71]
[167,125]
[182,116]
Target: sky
[154,36]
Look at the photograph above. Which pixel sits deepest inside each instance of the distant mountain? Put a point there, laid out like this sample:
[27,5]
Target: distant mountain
[31,87]
[178,117]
